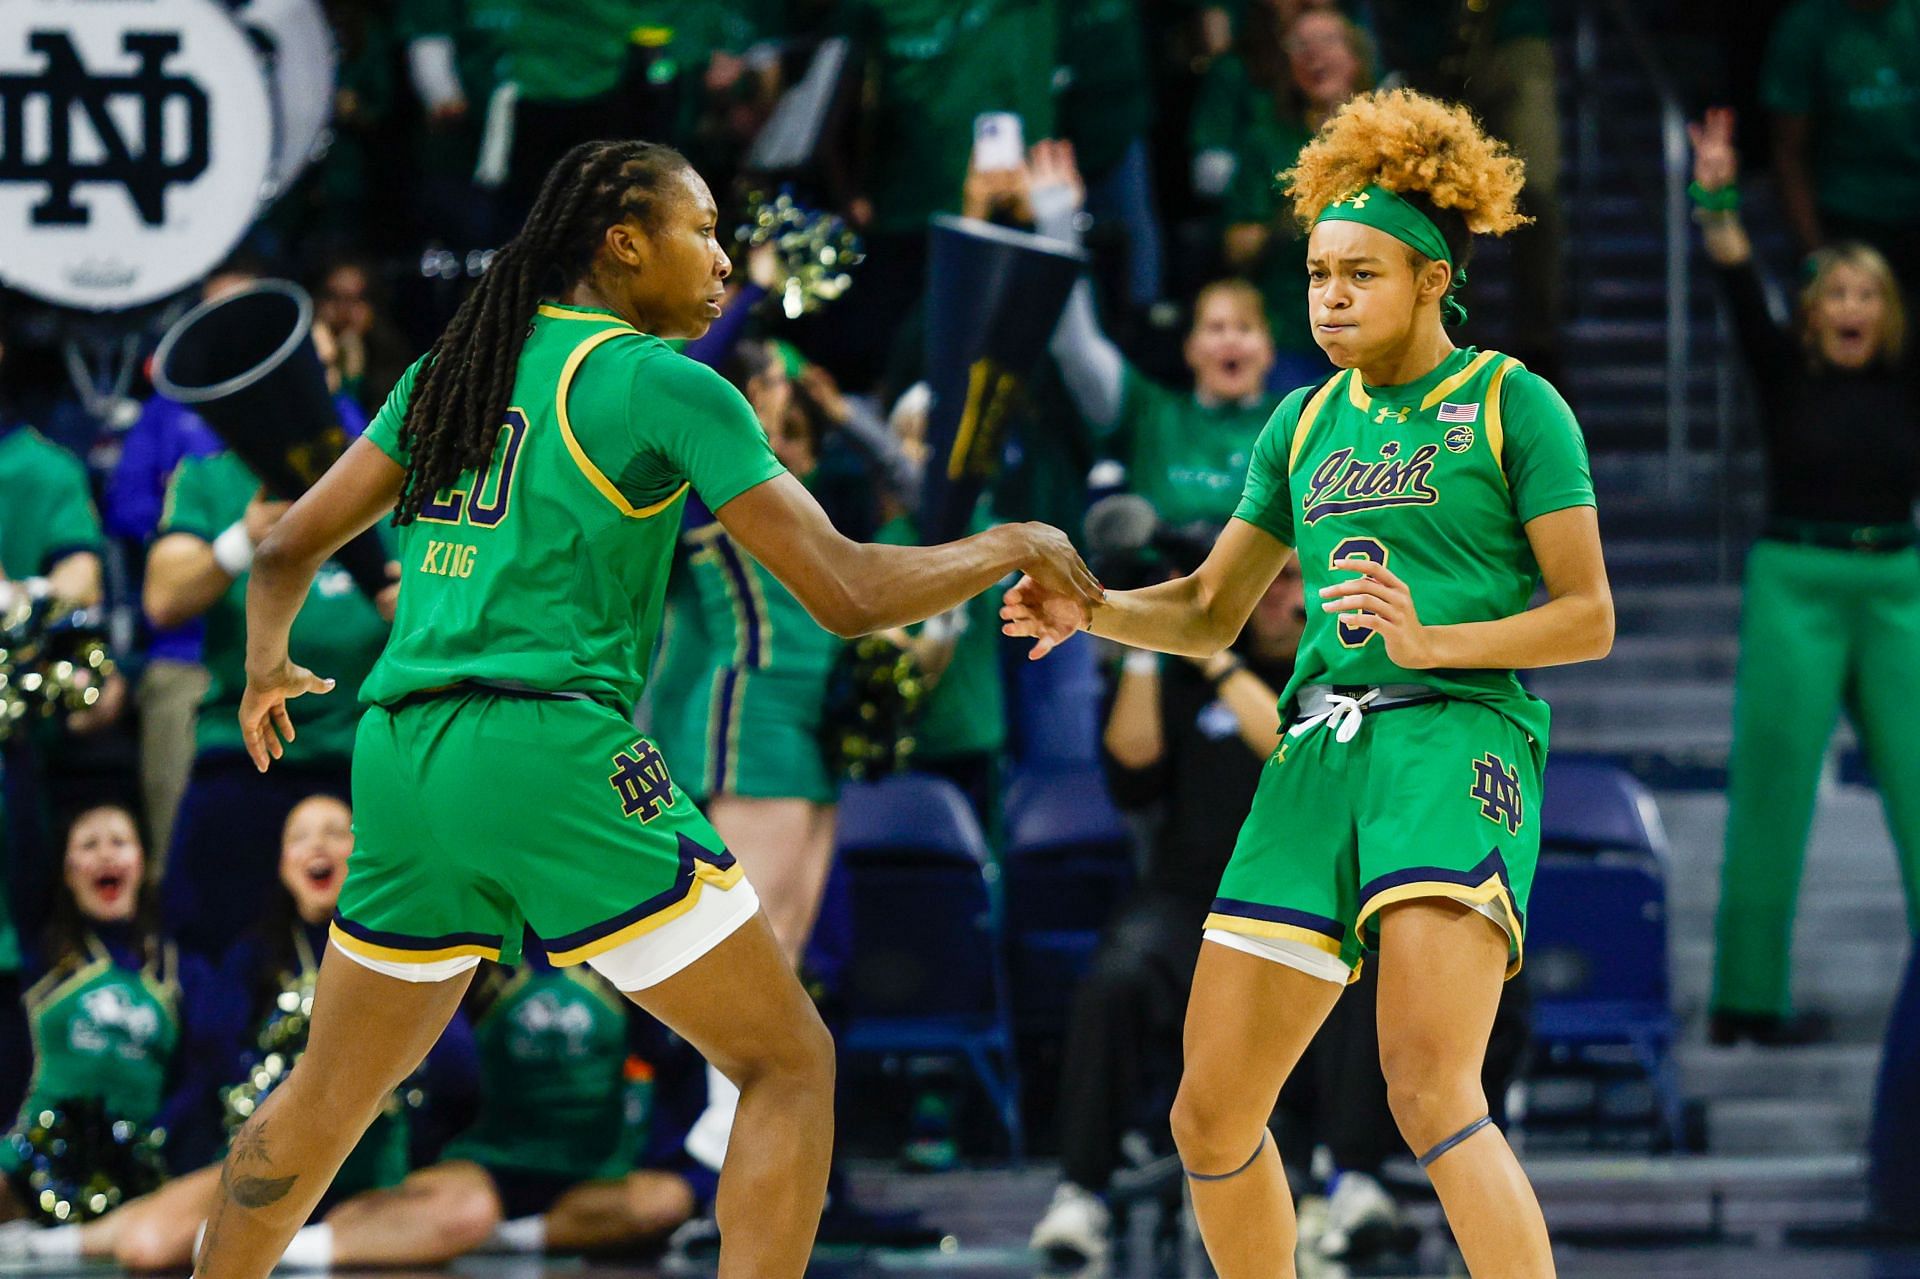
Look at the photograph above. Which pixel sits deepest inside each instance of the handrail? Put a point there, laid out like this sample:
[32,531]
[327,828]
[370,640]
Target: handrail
[1677,236]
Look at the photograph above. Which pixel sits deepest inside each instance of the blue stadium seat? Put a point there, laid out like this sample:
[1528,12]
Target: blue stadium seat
[1068,867]
[925,976]
[1054,707]
[1591,804]
[1596,947]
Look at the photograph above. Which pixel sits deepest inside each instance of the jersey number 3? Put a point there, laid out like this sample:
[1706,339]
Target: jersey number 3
[485,505]
[1355,548]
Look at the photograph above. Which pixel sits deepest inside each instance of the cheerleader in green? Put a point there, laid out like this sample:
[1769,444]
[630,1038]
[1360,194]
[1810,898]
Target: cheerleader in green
[255,1006]
[105,1013]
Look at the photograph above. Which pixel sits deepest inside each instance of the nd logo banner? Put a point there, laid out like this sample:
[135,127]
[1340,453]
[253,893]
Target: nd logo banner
[135,139]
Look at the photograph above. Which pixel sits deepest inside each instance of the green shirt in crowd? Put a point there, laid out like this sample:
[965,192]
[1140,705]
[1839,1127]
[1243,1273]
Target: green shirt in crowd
[46,514]
[941,63]
[46,508]
[1187,458]
[1105,103]
[338,633]
[1854,73]
[1437,479]
[966,713]
[1270,146]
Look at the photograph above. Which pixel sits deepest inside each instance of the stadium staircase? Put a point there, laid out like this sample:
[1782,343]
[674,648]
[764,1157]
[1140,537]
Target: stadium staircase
[1783,1129]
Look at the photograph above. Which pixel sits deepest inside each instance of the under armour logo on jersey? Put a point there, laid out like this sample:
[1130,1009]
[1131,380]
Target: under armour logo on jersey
[640,779]
[1497,787]
[1399,415]
[1356,201]
[134,160]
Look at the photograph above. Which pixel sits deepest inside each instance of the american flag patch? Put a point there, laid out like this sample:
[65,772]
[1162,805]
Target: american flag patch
[1460,412]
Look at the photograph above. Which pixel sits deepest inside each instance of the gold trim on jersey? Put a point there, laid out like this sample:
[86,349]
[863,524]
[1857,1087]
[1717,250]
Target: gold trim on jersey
[1486,893]
[554,311]
[1356,393]
[1457,380]
[1273,929]
[594,475]
[1496,432]
[393,955]
[704,876]
[1308,415]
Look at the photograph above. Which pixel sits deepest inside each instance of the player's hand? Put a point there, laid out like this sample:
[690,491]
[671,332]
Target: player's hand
[265,726]
[1051,561]
[1379,601]
[1055,597]
[1031,611]
[1716,164]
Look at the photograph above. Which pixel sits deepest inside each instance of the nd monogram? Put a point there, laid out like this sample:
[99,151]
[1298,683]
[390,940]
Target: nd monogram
[1342,485]
[640,779]
[139,164]
[1497,787]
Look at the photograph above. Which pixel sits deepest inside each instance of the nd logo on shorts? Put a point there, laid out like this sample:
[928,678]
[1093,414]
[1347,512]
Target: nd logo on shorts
[640,780]
[1497,787]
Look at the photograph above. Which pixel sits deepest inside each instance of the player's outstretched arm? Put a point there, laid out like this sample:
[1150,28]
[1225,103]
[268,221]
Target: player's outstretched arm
[355,492]
[1194,616]
[853,588]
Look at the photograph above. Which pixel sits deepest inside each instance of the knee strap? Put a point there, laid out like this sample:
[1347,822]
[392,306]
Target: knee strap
[1426,1160]
[1222,1176]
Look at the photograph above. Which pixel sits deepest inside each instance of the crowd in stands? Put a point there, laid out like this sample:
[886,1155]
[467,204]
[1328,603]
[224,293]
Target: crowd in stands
[161,899]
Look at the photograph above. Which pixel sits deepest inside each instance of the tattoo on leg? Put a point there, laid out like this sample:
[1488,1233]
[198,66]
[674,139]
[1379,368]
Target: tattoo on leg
[247,1189]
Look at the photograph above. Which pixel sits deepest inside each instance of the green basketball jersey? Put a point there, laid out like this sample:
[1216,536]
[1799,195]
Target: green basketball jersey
[553,1096]
[548,571]
[1435,478]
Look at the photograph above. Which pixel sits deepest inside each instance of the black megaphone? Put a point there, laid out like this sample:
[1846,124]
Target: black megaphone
[245,362]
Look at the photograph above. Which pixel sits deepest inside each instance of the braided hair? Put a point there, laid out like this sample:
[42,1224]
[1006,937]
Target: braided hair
[461,391]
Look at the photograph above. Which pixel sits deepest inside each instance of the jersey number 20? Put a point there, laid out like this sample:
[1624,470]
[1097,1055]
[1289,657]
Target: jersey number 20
[1355,548]
[485,505]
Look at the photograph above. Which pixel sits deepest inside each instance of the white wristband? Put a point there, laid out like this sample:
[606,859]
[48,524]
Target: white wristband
[1141,662]
[233,549]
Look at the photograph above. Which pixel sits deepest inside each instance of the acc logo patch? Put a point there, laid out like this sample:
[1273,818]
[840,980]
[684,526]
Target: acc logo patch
[1459,439]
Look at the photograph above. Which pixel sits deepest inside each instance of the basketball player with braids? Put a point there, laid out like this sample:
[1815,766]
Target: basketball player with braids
[1428,491]
[537,460]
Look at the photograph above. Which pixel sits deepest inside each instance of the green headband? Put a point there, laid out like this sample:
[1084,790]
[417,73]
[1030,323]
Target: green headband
[1385,210]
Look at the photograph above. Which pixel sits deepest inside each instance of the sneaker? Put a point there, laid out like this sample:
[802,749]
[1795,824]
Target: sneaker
[1075,1229]
[1768,1030]
[1362,1218]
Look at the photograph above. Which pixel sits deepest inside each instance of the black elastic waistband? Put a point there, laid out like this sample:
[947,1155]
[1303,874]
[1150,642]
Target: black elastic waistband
[470,686]
[1393,697]
[1871,539]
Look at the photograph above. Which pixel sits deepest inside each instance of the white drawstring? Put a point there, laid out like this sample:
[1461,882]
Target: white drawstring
[1342,716]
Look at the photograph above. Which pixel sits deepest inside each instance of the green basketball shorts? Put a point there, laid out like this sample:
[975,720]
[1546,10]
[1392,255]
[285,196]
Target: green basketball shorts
[1432,799]
[478,813]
